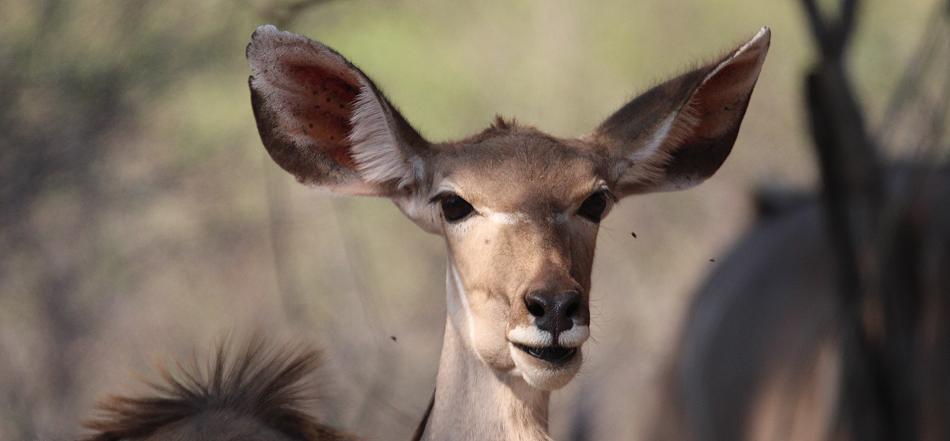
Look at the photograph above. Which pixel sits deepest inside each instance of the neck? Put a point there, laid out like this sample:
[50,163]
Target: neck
[473,401]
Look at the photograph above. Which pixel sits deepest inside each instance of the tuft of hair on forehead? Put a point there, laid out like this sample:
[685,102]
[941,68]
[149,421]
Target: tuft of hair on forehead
[501,124]
[271,385]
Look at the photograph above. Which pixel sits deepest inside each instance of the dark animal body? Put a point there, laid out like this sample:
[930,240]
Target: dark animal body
[828,320]
[759,355]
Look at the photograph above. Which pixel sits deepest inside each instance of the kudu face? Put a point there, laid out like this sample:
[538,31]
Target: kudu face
[519,209]
[521,246]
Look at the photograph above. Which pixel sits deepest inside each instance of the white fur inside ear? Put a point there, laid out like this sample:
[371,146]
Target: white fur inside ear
[375,150]
[651,158]
[654,155]
[656,140]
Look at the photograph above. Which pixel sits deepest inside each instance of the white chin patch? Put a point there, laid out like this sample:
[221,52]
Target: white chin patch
[542,375]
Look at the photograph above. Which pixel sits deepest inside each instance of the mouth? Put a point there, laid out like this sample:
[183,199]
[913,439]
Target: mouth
[556,355]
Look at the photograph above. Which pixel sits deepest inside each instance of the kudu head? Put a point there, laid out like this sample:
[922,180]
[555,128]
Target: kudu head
[519,209]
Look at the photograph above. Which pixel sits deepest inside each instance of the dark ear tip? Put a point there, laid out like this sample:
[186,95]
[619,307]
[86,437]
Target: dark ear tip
[760,41]
[753,51]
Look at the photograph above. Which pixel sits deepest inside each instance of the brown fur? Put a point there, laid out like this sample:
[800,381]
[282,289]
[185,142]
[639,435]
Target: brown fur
[525,235]
[256,392]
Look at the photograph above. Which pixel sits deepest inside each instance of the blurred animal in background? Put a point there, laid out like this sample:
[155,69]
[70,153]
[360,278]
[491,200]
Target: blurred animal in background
[519,209]
[829,318]
[259,391]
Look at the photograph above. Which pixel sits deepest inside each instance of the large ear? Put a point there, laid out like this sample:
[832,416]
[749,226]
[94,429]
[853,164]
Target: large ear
[325,122]
[677,134]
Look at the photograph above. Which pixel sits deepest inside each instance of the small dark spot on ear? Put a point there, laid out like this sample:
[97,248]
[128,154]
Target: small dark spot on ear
[712,260]
[328,99]
[633,234]
[487,241]
[316,106]
[332,137]
[392,337]
[311,125]
[341,105]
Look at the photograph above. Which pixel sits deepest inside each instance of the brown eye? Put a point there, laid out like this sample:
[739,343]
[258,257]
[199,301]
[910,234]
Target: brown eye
[594,206]
[455,208]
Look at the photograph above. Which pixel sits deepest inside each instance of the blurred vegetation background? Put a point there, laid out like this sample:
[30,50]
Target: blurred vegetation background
[140,217]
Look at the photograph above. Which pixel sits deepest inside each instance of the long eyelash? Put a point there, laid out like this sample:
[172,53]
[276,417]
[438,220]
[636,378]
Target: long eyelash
[610,195]
[438,197]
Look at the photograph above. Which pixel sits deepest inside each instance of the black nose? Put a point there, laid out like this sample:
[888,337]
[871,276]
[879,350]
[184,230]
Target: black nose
[554,312]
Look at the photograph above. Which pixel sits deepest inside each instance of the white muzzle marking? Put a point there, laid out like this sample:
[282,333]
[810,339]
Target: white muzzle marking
[530,336]
[574,337]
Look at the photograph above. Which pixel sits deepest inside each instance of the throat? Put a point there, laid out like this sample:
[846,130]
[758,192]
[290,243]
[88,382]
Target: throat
[474,402]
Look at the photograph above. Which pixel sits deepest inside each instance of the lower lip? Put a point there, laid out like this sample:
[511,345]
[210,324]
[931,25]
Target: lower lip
[554,355]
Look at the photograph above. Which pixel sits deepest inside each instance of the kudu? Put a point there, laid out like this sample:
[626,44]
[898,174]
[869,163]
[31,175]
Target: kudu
[828,320]
[760,354]
[518,209]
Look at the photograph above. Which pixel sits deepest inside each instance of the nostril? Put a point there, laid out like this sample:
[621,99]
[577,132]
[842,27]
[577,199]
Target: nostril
[536,310]
[535,305]
[572,308]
